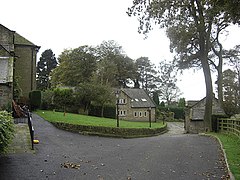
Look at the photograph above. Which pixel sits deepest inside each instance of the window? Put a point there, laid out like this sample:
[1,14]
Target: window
[144,100]
[122,101]
[122,113]
[136,100]
[140,114]
[135,114]
[145,114]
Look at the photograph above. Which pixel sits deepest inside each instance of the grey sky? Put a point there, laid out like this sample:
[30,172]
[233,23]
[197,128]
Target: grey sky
[61,24]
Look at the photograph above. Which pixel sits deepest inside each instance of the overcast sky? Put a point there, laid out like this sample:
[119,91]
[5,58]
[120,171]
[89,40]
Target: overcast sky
[61,24]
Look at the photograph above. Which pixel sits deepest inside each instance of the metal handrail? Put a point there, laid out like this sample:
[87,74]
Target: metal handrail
[31,129]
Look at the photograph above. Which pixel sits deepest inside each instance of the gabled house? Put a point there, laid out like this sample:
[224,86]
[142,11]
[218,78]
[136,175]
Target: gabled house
[135,105]
[17,59]
[194,114]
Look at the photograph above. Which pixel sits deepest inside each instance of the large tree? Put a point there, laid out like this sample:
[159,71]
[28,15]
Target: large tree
[230,9]
[114,67]
[189,27]
[146,74]
[168,89]
[75,66]
[45,66]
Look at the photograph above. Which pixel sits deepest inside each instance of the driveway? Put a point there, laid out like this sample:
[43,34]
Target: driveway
[65,155]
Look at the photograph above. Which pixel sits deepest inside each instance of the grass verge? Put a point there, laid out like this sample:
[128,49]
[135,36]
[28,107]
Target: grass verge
[93,121]
[231,146]
[102,126]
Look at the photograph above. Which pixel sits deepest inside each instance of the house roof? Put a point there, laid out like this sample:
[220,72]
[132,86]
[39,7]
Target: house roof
[20,40]
[191,103]
[7,28]
[139,98]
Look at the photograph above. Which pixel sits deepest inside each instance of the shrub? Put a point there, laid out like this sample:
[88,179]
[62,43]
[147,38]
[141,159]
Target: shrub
[47,99]
[63,98]
[35,99]
[178,111]
[6,130]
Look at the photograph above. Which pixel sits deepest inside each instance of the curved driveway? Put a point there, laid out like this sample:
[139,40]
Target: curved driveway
[168,157]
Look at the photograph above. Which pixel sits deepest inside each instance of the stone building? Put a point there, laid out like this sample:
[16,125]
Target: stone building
[135,105]
[194,115]
[17,59]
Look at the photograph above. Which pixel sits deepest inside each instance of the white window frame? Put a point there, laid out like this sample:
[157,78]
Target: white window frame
[135,114]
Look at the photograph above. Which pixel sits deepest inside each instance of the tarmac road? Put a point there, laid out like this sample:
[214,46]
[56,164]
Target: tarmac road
[65,155]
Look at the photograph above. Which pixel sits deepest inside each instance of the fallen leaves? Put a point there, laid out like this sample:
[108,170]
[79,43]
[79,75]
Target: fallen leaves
[70,165]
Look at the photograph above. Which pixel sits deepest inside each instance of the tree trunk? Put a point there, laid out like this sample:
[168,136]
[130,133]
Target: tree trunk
[204,44]
[220,85]
[102,110]
[209,97]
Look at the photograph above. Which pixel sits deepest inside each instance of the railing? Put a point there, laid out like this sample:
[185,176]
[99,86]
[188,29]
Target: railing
[231,125]
[31,129]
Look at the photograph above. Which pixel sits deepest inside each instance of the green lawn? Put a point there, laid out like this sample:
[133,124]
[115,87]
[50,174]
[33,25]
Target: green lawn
[92,121]
[231,144]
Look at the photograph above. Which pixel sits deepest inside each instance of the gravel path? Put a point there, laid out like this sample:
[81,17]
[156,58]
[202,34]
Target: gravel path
[65,155]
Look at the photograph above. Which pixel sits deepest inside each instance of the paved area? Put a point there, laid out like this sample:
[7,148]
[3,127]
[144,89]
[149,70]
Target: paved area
[175,128]
[65,155]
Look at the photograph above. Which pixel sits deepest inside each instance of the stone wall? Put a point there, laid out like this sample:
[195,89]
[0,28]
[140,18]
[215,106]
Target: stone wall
[25,68]
[6,58]
[5,96]
[193,126]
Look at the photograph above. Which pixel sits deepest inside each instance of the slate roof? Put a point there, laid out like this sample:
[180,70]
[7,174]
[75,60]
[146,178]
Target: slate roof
[139,98]
[20,40]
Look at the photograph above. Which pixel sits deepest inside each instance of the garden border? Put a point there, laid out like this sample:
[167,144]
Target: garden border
[111,131]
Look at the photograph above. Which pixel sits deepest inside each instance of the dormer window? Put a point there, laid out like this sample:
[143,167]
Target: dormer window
[136,100]
[144,100]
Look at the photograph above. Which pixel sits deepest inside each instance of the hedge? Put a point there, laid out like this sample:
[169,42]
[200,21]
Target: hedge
[178,111]
[35,99]
[6,130]
[108,111]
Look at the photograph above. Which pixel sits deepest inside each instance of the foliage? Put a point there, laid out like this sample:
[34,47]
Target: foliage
[107,111]
[182,102]
[35,99]
[47,99]
[75,66]
[63,97]
[231,91]
[156,97]
[230,9]
[17,91]
[168,89]
[231,145]
[178,111]
[146,74]
[114,67]
[45,66]
[6,130]
[162,104]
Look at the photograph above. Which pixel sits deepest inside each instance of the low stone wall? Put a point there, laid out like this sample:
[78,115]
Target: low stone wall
[195,126]
[111,131]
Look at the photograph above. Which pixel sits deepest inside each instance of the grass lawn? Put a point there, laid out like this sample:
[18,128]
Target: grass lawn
[92,120]
[231,144]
